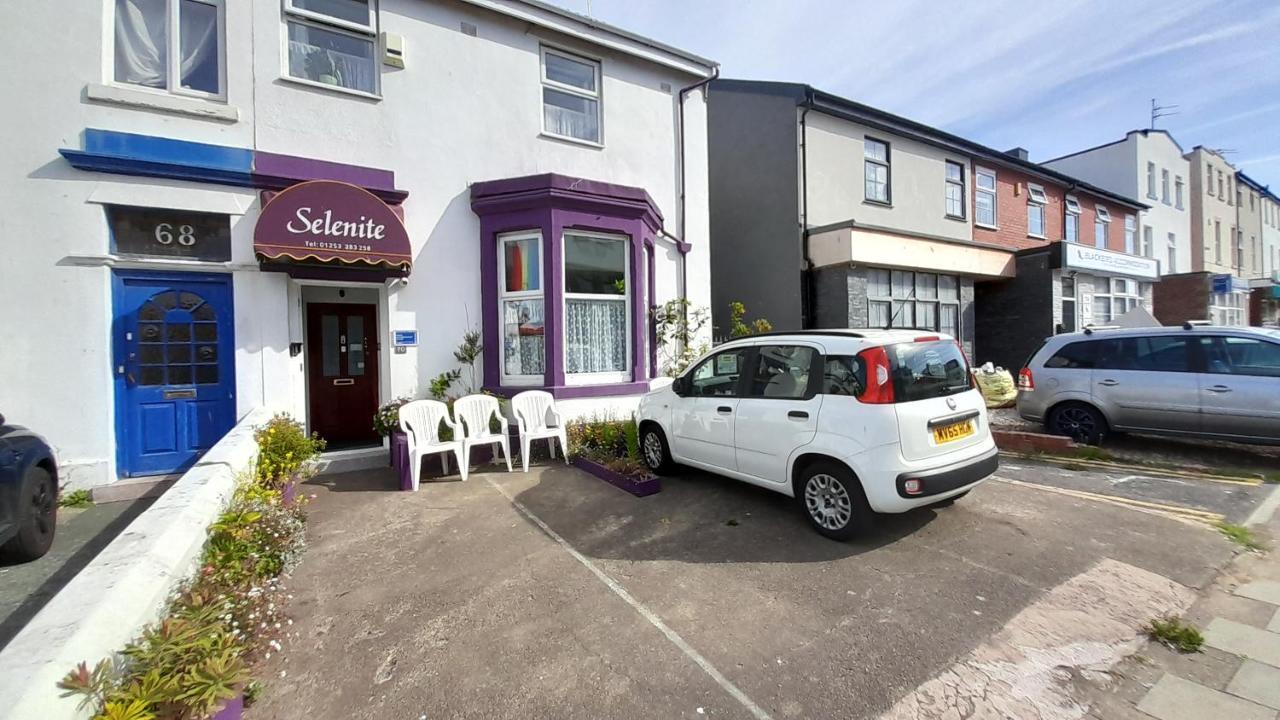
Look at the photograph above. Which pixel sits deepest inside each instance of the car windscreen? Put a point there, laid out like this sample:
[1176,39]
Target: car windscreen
[924,370]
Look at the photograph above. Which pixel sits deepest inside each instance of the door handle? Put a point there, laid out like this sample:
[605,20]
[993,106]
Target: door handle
[1218,389]
[724,409]
[798,415]
[1109,382]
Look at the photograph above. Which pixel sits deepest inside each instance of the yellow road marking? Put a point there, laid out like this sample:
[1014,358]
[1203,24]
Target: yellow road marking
[1182,513]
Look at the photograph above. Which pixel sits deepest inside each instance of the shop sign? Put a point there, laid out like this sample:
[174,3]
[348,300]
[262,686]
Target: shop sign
[1108,262]
[153,232]
[326,221]
[1223,284]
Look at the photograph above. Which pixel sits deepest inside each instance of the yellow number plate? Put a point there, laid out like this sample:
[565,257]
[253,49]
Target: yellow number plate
[954,431]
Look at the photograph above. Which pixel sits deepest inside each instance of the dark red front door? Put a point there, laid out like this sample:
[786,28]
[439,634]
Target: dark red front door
[342,372]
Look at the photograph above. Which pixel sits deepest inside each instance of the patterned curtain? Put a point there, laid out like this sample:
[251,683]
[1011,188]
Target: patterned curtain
[595,336]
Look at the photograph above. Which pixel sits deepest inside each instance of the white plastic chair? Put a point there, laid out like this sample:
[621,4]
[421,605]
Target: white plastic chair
[420,420]
[538,419]
[474,413]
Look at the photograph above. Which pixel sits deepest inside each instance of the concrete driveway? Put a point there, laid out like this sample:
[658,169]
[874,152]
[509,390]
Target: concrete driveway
[553,595]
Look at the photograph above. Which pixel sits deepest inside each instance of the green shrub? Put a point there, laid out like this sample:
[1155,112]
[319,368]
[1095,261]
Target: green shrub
[613,443]
[284,448]
[1175,634]
[75,499]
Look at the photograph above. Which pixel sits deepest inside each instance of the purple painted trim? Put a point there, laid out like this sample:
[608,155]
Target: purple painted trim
[344,273]
[233,710]
[649,485]
[552,204]
[653,302]
[271,170]
[569,392]
[684,247]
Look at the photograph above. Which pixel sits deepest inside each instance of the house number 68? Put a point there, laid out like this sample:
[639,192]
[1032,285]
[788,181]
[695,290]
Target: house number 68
[165,236]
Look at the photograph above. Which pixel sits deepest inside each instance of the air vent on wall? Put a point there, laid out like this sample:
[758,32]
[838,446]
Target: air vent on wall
[393,50]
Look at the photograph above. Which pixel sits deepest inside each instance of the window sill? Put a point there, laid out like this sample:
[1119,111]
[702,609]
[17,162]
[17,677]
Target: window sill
[162,102]
[569,392]
[338,89]
[878,203]
[957,218]
[571,140]
[1036,237]
[985,226]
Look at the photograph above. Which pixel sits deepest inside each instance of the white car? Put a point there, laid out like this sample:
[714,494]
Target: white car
[850,422]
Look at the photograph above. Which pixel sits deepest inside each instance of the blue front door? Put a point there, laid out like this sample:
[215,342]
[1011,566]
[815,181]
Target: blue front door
[174,367]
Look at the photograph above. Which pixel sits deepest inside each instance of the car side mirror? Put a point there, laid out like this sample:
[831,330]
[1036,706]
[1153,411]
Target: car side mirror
[681,386]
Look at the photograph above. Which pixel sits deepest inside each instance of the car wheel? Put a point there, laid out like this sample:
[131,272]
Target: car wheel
[36,516]
[949,501]
[832,498]
[1079,422]
[654,449]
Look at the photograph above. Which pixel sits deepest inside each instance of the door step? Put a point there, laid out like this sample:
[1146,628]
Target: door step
[133,488]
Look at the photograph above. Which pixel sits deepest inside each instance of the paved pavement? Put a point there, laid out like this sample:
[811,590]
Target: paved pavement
[551,594]
[81,535]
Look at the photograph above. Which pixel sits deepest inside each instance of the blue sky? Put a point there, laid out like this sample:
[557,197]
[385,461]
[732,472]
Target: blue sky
[1051,77]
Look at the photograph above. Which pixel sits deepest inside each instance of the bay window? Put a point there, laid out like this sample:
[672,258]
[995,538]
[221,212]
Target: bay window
[333,43]
[570,96]
[522,307]
[903,299]
[596,328]
[172,45]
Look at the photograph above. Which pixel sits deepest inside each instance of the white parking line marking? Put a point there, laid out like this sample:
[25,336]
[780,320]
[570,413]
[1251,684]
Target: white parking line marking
[1262,514]
[755,710]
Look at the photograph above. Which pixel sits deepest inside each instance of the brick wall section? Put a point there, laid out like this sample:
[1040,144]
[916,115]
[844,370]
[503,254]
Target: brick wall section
[1182,297]
[1011,214]
[1030,443]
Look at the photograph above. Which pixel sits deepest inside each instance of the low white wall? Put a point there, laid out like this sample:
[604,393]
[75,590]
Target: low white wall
[126,587]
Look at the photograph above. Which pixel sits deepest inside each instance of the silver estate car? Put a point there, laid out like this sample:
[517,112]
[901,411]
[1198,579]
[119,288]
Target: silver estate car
[1195,380]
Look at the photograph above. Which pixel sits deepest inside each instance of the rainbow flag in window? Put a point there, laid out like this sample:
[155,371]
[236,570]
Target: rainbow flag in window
[521,261]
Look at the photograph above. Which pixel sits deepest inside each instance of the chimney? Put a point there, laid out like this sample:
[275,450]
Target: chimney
[1020,153]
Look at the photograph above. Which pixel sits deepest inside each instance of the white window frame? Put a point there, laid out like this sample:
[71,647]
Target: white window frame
[504,296]
[597,68]
[912,299]
[1173,254]
[1101,221]
[1164,186]
[1151,180]
[293,14]
[1130,234]
[948,183]
[978,173]
[173,55]
[1132,295]
[1177,194]
[599,378]
[1228,308]
[1071,205]
[1037,198]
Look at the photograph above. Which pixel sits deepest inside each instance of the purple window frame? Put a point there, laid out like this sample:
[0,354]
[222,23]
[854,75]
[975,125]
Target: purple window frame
[552,205]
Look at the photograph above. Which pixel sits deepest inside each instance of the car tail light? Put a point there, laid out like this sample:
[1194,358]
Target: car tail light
[1025,380]
[879,390]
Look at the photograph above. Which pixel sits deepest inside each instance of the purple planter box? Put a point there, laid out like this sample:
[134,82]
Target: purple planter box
[233,710]
[640,488]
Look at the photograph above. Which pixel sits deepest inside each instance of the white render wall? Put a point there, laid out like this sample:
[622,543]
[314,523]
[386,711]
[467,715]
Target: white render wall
[1121,167]
[917,179]
[465,109]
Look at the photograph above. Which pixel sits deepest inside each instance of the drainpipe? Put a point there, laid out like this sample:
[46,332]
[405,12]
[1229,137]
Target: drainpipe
[680,203]
[807,304]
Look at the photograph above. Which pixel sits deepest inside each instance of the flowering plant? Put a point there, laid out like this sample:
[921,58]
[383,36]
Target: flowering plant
[612,443]
[387,419]
[284,450]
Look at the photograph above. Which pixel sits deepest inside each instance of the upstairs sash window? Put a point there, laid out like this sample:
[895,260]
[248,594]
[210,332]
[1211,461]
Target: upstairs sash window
[172,45]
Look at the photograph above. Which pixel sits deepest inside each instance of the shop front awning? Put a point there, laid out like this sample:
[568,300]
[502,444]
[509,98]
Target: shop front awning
[328,227]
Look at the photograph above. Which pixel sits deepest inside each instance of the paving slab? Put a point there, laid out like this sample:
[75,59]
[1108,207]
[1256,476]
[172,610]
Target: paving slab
[1244,640]
[1267,591]
[1173,698]
[1274,625]
[1257,682]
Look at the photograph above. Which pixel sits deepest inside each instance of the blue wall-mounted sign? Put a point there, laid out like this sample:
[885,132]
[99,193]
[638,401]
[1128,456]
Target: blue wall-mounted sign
[404,338]
[1223,284]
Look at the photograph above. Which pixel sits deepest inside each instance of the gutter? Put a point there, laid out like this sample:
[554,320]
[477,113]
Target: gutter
[681,213]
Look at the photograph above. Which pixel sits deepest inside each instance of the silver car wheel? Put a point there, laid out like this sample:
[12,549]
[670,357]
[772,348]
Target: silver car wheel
[828,501]
[653,450]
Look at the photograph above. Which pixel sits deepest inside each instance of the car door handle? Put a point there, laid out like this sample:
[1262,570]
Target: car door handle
[1218,389]
[798,415]
[724,409]
[1109,382]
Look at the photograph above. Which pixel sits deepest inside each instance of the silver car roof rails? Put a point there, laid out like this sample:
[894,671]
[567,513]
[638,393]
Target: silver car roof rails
[1088,329]
[1193,324]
